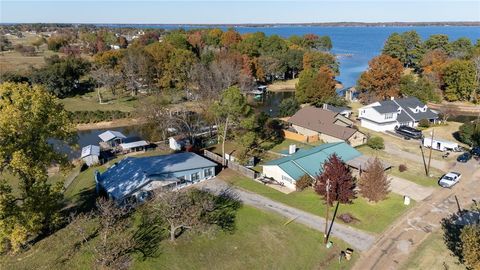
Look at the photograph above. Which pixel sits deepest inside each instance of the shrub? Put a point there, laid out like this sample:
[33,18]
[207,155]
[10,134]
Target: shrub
[288,107]
[402,167]
[469,133]
[424,123]
[376,143]
[304,182]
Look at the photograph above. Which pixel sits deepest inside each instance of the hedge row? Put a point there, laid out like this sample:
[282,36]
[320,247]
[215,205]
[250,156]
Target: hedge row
[83,117]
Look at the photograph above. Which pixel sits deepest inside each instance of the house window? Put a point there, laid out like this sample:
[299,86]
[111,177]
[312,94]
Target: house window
[388,115]
[195,176]
[208,172]
[288,179]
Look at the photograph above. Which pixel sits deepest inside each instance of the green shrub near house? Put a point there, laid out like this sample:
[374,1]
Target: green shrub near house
[376,142]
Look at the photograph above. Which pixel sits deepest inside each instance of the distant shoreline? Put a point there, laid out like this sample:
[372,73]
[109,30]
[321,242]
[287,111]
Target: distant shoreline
[325,24]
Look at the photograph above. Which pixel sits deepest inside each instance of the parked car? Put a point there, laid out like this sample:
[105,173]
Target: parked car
[475,151]
[409,132]
[464,158]
[449,179]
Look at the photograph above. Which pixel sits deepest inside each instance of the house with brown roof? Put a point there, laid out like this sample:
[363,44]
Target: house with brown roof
[327,125]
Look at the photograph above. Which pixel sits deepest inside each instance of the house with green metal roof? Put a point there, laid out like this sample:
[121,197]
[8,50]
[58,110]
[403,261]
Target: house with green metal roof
[291,168]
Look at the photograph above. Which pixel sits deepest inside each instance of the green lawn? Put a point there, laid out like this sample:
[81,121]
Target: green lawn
[432,254]
[372,217]
[261,241]
[415,171]
[89,102]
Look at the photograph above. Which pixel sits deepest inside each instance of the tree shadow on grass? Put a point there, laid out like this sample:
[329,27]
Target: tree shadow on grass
[83,202]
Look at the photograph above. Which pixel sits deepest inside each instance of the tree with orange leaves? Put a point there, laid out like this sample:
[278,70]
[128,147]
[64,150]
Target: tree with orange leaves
[433,64]
[381,80]
[229,38]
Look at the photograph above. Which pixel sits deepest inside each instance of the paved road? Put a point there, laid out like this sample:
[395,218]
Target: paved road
[395,245]
[392,149]
[407,188]
[358,239]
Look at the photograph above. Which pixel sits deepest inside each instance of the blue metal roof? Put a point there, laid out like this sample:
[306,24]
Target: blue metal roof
[311,161]
[132,173]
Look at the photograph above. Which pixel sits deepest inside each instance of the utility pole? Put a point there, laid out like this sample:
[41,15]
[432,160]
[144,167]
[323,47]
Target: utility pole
[327,189]
[430,155]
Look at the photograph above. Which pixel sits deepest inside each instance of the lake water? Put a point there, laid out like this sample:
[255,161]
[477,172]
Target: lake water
[363,43]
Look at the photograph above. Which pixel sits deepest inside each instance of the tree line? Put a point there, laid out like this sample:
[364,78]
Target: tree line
[432,70]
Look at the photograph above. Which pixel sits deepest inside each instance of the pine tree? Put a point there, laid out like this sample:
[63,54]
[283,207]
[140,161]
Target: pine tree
[374,183]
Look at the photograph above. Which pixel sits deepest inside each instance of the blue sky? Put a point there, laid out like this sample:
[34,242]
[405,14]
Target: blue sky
[235,12]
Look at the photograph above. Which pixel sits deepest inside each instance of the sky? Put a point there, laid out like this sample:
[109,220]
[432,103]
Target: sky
[236,12]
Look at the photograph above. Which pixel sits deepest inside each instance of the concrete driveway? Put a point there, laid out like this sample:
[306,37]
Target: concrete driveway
[407,188]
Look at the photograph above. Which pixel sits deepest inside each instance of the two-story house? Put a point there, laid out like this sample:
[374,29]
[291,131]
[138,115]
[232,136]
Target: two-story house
[386,115]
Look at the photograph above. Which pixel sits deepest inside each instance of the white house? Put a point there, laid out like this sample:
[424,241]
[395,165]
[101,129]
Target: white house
[386,115]
[289,169]
[112,138]
[90,154]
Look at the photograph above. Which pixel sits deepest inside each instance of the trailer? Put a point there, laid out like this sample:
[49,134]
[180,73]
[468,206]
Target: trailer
[440,145]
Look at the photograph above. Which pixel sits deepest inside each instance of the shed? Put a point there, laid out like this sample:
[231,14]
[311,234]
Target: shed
[90,154]
[112,137]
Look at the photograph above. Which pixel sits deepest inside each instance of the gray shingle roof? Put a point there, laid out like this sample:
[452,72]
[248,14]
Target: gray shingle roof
[337,109]
[386,107]
[321,121]
[413,102]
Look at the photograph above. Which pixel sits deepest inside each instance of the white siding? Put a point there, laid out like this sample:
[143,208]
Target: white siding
[376,126]
[275,172]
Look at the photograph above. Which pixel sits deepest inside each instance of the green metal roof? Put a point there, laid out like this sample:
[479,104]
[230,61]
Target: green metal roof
[311,161]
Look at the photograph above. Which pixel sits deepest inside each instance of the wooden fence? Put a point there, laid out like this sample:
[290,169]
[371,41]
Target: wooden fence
[299,137]
[232,165]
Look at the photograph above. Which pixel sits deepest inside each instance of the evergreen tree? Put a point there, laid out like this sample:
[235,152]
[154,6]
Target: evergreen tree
[374,183]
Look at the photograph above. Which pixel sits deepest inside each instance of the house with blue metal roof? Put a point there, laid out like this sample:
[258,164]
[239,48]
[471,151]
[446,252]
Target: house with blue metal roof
[291,168]
[389,114]
[137,177]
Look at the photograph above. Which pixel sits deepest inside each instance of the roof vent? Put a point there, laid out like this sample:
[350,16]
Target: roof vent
[292,148]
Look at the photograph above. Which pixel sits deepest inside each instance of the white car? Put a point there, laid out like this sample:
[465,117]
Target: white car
[449,179]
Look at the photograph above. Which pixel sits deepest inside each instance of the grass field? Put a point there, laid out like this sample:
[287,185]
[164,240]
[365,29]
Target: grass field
[432,254]
[261,241]
[415,171]
[89,102]
[372,217]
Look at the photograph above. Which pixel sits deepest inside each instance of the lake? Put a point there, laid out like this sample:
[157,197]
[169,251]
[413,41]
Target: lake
[363,43]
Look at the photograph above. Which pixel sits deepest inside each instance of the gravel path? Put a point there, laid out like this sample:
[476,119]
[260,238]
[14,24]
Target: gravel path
[358,239]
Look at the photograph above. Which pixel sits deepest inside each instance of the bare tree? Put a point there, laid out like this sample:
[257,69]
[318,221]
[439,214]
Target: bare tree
[106,77]
[195,210]
[157,110]
[374,183]
[137,70]
[115,242]
[447,110]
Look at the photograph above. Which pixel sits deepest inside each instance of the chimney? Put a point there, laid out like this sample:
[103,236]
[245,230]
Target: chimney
[292,149]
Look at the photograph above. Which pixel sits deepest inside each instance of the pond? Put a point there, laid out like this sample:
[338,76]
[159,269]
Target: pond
[269,103]
[87,137]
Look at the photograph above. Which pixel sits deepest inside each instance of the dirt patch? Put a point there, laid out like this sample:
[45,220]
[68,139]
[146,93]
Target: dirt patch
[110,124]
[348,218]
